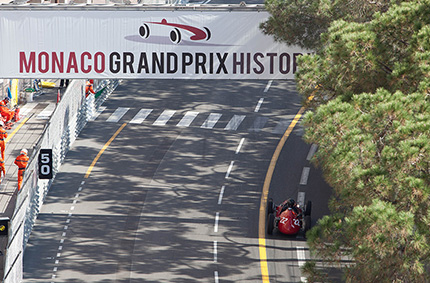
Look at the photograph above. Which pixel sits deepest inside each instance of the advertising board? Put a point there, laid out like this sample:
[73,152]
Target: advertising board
[98,44]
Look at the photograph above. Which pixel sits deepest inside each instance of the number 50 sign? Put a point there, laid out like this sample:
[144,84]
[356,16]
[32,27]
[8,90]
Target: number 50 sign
[45,164]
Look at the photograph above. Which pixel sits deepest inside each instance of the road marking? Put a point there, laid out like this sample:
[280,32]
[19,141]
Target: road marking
[187,119]
[215,251]
[141,116]
[229,170]
[269,84]
[221,193]
[240,145]
[259,124]
[216,277]
[211,121]
[118,114]
[311,152]
[263,201]
[301,257]
[234,123]
[103,149]
[305,176]
[216,222]
[301,198]
[164,117]
[257,108]
[60,247]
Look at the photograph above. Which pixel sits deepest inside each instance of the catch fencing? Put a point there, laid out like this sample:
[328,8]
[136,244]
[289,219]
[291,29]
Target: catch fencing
[69,118]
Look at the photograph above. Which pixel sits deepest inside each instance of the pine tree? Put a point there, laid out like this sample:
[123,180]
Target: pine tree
[370,116]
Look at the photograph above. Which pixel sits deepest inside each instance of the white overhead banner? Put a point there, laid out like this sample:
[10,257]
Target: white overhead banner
[141,44]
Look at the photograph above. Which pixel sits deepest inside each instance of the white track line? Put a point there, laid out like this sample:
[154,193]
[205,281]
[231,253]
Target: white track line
[211,121]
[221,193]
[257,108]
[229,170]
[269,84]
[305,175]
[240,145]
[118,114]
[140,116]
[187,119]
[164,117]
[234,123]
[312,151]
[301,256]
[216,222]
[215,251]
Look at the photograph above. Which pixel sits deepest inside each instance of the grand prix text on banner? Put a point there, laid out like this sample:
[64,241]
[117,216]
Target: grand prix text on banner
[141,44]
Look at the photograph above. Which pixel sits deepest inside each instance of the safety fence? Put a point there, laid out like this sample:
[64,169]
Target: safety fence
[69,118]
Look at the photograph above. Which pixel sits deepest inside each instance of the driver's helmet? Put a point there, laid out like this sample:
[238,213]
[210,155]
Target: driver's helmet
[291,202]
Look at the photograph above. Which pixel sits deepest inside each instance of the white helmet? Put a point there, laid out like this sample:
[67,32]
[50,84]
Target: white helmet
[1,124]
[24,151]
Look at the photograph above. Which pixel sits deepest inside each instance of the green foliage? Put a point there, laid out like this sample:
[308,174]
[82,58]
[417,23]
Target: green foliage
[384,244]
[295,22]
[370,84]
[376,146]
[301,22]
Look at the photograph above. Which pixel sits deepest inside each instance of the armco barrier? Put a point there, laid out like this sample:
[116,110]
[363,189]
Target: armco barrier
[69,118]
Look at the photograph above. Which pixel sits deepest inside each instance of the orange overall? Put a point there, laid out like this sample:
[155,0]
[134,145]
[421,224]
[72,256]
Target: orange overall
[3,136]
[6,113]
[2,169]
[89,88]
[4,101]
[21,161]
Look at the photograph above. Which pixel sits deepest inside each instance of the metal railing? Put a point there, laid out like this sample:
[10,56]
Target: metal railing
[67,121]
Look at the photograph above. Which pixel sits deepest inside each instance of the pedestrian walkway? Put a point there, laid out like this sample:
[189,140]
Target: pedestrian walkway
[24,134]
[186,119]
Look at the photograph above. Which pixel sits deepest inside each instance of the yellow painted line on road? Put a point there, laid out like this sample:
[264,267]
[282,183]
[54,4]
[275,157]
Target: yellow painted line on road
[103,149]
[263,201]
[16,129]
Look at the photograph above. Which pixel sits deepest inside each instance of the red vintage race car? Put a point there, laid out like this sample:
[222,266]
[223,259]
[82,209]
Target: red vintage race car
[288,217]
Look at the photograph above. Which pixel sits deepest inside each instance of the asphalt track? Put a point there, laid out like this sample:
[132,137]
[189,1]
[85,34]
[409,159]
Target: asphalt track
[138,202]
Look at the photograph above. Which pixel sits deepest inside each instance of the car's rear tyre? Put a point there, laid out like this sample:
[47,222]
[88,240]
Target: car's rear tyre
[308,208]
[270,224]
[270,208]
[308,223]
